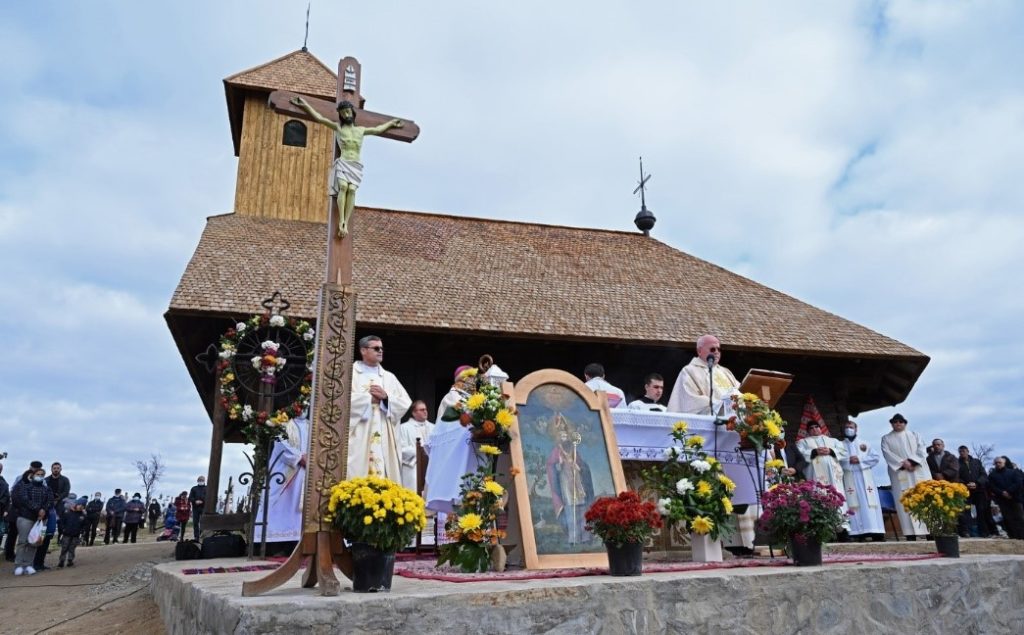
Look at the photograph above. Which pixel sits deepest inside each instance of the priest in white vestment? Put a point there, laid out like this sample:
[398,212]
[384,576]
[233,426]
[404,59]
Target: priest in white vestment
[288,456]
[415,428]
[823,455]
[860,491]
[594,376]
[694,384]
[451,452]
[378,403]
[906,456]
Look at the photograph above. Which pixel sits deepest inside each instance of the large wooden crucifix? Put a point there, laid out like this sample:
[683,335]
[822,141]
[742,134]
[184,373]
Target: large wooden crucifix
[332,376]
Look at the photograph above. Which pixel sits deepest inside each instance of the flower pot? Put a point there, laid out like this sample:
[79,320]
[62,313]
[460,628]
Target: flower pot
[805,554]
[625,559]
[705,549]
[948,546]
[371,568]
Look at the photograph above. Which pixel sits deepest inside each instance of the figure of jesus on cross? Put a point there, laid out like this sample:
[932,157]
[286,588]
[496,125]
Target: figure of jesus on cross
[348,170]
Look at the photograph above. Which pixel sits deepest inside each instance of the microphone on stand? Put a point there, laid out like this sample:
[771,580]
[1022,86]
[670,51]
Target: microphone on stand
[711,389]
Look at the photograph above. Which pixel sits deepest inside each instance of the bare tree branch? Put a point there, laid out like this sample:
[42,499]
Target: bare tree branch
[150,472]
[984,452]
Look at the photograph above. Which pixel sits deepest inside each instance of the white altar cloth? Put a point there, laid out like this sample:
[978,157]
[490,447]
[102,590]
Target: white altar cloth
[645,435]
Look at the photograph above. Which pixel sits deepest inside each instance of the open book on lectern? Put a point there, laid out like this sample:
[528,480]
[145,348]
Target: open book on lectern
[769,385]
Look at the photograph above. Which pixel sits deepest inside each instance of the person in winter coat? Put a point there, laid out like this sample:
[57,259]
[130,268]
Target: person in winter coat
[33,500]
[134,515]
[154,515]
[182,512]
[1006,486]
[74,523]
[93,509]
[115,516]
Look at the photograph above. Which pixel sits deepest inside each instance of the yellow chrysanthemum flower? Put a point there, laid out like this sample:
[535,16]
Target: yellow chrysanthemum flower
[695,441]
[772,429]
[727,505]
[727,482]
[469,522]
[680,426]
[702,525]
[490,449]
[367,520]
[493,488]
[504,418]
[703,489]
[475,401]
[775,464]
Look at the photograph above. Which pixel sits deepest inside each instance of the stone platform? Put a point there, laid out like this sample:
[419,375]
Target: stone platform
[973,594]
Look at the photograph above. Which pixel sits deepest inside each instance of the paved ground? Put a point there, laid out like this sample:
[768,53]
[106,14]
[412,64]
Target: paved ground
[107,591]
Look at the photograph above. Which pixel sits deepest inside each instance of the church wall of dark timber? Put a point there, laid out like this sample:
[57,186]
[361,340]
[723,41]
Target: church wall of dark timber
[277,180]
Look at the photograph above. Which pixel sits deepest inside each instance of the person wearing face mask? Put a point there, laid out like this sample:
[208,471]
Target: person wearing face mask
[93,509]
[197,498]
[134,513]
[859,487]
[34,500]
[1006,485]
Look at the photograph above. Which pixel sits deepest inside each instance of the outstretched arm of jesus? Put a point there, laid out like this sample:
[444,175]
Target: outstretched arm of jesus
[314,115]
[384,127]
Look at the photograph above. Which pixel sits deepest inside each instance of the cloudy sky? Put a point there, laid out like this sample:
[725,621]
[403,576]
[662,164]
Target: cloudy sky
[865,157]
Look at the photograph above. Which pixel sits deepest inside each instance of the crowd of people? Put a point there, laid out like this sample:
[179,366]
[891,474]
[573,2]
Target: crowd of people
[36,509]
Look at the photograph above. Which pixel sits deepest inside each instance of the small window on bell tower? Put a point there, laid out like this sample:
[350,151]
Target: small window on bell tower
[294,133]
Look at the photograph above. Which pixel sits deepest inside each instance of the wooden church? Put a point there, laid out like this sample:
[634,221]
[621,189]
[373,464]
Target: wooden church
[545,296]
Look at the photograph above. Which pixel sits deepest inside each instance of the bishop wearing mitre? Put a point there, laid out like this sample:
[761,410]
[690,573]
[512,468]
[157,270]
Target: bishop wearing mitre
[378,404]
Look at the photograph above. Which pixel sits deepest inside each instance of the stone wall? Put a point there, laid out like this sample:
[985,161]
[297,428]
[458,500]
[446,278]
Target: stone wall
[975,594]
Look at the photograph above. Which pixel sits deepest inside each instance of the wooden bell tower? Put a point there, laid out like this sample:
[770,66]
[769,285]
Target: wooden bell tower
[283,161]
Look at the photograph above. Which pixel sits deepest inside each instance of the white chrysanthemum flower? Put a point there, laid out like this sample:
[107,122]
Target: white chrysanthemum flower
[700,466]
[257,362]
[683,485]
[269,346]
[240,327]
[227,354]
[247,413]
[277,320]
[308,335]
[663,506]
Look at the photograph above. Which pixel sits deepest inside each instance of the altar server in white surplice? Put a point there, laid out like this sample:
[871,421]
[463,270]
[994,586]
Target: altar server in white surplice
[823,455]
[906,455]
[415,428]
[451,452]
[288,456]
[860,491]
[690,392]
[378,403]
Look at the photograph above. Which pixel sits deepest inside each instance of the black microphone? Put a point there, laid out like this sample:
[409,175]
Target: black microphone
[711,359]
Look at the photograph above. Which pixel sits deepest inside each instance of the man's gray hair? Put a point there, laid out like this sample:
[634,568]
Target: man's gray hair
[703,338]
[365,340]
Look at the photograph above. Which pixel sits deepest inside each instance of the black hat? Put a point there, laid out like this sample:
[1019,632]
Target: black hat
[36,465]
[897,417]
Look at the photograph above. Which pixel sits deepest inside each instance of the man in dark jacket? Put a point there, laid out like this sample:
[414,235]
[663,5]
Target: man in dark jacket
[60,485]
[93,509]
[197,498]
[12,512]
[134,515]
[5,499]
[943,465]
[154,515]
[972,474]
[115,515]
[1006,486]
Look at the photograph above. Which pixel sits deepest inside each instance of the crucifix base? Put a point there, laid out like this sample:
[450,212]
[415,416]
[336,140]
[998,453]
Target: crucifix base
[325,549]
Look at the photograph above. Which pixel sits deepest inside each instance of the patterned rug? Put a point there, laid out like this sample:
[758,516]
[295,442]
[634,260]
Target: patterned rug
[427,570]
[248,567]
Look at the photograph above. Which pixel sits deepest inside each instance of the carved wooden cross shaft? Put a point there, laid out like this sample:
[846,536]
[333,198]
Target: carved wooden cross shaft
[332,382]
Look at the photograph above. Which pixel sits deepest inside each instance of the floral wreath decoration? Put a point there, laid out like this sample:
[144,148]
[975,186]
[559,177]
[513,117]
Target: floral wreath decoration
[267,364]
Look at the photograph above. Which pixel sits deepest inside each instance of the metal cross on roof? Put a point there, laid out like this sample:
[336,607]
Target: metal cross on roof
[641,187]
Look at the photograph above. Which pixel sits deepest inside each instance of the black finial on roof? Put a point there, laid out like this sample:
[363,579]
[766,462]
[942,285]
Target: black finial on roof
[305,40]
[644,220]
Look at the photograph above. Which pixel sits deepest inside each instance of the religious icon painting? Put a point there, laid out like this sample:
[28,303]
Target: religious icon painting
[567,456]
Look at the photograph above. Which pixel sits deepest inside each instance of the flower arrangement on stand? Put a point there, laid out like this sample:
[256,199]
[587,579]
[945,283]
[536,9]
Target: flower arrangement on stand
[473,526]
[484,411]
[758,425]
[802,515]
[378,517]
[693,489]
[938,504]
[624,523]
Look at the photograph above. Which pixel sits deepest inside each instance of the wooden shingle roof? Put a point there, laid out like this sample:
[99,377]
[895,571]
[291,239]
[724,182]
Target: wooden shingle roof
[299,71]
[438,272]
